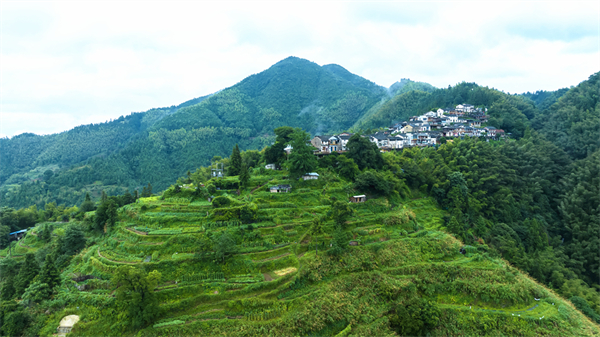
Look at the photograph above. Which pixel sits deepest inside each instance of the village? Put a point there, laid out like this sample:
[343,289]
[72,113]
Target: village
[428,129]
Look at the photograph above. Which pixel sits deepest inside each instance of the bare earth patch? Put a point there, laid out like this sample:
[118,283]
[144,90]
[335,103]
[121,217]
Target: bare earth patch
[268,277]
[285,271]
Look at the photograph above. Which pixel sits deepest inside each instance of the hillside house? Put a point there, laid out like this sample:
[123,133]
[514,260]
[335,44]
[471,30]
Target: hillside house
[270,167]
[358,198]
[18,235]
[311,176]
[280,188]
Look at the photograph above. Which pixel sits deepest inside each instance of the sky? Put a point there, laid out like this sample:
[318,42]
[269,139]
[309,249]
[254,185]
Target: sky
[67,63]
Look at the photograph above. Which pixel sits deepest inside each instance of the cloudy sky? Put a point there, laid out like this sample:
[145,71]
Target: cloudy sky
[64,64]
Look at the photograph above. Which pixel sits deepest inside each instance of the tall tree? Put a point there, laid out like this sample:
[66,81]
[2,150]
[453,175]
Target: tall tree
[316,229]
[135,294]
[49,274]
[235,162]
[244,176]
[301,160]
[340,212]
[364,152]
[27,273]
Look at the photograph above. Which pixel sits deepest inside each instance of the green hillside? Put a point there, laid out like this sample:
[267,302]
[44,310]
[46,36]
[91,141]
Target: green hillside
[249,267]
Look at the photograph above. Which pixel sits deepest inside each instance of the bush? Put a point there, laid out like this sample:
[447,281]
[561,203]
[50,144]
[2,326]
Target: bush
[221,201]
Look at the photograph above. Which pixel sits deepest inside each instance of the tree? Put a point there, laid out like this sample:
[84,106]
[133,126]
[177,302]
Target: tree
[46,233]
[106,214]
[49,274]
[315,230]
[73,241]
[27,273]
[87,205]
[4,239]
[235,163]
[224,246]
[415,317]
[340,212]
[339,244]
[135,294]
[347,168]
[364,152]
[244,175]
[301,160]
[8,288]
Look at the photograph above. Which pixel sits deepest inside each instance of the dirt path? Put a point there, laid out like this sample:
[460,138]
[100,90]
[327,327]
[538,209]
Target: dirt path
[124,262]
[136,231]
[24,245]
[272,258]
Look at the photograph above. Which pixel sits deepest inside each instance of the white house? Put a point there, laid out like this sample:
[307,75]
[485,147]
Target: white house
[311,176]
[440,112]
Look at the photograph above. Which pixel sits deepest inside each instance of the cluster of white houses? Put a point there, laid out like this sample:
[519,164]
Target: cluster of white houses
[463,121]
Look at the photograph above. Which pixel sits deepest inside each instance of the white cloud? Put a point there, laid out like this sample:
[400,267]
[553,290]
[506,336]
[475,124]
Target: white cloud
[68,63]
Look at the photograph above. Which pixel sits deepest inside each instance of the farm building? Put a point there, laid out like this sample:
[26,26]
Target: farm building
[311,176]
[281,189]
[358,198]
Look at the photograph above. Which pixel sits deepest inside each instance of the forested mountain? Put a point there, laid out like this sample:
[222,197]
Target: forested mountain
[160,145]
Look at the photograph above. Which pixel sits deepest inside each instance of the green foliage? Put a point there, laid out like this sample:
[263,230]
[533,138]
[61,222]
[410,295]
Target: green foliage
[135,293]
[301,160]
[27,273]
[584,307]
[340,212]
[235,162]
[364,152]
[415,317]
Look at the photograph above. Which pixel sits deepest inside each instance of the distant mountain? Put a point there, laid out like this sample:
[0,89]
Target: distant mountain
[159,145]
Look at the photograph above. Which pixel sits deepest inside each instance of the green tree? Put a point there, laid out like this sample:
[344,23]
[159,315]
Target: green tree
[4,239]
[46,233]
[37,292]
[8,288]
[339,243]
[364,152]
[106,214]
[87,205]
[415,317]
[224,246]
[340,212]
[73,241]
[301,160]
[49,274]
[27,273]
[136,295]
[347,168]
[244,176]
[235,162]
[315,230]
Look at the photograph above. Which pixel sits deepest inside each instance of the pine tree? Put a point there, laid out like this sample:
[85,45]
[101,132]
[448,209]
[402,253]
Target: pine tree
[49,273]
[27,273]
[235,162]
[244,176]
[8,289]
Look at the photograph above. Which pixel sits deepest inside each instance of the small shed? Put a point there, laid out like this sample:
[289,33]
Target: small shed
[17,235]
[358,198]
[311,176]
[270,166]
[66,324]
[281,188]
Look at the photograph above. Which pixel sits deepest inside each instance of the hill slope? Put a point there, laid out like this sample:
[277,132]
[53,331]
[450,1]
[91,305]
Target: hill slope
[405,276]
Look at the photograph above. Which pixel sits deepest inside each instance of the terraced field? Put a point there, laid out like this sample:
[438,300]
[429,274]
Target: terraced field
[273,282]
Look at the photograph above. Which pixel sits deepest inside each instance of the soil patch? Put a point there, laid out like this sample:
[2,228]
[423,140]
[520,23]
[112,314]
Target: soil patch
[268,277]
